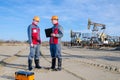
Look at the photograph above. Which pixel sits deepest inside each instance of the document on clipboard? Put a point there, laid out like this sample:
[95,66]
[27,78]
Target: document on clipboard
[48,32]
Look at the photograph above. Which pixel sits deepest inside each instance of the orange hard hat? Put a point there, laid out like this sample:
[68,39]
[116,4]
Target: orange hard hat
[54,18]
[36,18]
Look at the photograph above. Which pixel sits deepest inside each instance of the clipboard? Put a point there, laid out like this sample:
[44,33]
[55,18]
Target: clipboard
[48,32]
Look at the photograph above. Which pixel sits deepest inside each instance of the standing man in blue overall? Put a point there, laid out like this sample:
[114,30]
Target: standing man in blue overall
[55,43]
[34,41]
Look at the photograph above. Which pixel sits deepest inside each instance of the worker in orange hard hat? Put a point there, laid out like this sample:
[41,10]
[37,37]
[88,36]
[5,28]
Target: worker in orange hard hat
[54,18]
[36,18]
[55,43]
[34,41]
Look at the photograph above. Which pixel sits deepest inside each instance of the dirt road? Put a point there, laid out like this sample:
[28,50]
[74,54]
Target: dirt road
[78,64]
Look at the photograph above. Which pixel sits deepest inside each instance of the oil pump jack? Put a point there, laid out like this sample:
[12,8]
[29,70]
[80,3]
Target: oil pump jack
[98,35]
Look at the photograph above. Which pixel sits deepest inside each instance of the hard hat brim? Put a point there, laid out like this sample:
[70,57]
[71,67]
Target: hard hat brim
[54,19]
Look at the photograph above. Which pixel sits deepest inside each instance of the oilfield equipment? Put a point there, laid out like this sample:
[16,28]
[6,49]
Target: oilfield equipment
[75,38]
[96,39]
[114,41]
[85,39]
[98,35]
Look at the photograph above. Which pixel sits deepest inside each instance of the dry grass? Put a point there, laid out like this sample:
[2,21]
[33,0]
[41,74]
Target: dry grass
[12,44]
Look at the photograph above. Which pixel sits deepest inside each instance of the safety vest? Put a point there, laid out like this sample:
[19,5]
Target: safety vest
[54,40]
[35,36]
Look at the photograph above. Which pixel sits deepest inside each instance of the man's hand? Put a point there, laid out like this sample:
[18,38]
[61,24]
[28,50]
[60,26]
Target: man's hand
[31,45]
[53,35]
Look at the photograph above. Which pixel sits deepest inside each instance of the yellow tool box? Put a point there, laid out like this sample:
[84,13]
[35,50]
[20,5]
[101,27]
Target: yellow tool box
[23,75]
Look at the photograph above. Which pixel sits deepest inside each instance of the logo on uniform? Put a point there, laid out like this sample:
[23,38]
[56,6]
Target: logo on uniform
[35,31]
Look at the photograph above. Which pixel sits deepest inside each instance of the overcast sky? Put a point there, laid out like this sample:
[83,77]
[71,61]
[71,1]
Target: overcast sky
[16,15]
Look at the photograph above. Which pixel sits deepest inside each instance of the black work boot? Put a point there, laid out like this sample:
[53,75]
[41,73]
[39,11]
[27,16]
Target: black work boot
[30,65]
[59,64]
[37,64]
[53,64]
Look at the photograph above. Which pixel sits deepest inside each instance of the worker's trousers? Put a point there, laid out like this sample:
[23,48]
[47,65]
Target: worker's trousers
[34,52]
[55,50]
